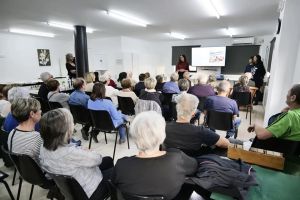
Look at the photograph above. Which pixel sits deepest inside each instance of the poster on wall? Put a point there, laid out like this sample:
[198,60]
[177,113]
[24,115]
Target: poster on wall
[44,57]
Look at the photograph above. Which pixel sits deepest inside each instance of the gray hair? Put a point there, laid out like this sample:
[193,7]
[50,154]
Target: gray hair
[186,74]
[56,128]
[224,86]
[21,108]
[69,57]
[174,77]
[186,105]
[150,83]
[202,78]
[148,130]
[244,80]
[159,78]
[17,92]
[45,76]
[183,85]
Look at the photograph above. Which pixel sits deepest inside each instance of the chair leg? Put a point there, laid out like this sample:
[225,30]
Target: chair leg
[247,112]
[105,138]
[90,143]
[117,133]
[127,136]
[8,190]
[31,192]
[19,190]
[250,115]
[14,177]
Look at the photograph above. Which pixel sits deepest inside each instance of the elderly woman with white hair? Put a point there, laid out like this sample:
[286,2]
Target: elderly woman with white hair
[150,93]
[202,89]
[171,87]
[151,171]
[43,90]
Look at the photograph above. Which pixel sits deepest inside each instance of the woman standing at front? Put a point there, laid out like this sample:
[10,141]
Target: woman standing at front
[70,65]
[182,66]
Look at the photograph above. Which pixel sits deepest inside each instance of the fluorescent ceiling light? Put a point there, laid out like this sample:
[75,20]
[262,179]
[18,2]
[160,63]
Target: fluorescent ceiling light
[177,35]
[229,32]
[126,18]
[216,12]
[30,32]
[66,26]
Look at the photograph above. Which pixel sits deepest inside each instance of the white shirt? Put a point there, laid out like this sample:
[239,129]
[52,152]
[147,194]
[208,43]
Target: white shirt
[112,93]
[4,108]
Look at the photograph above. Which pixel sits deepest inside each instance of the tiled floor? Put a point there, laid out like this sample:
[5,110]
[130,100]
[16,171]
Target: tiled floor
[122,150]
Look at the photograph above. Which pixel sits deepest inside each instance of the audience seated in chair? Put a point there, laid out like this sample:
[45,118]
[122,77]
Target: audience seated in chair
[110,91]
[4,103]
[126,90]
[171,87]
[98,102]
[23,139]
[43,90]
[150,93]
[287,125]
[55,96]
[151,171]
[212,81]
[222,103]
[186,76]
[193,140]
[202,89]
[89,79]
[160,83]
[122,75]
[57,156]
[110,82]
[241,86]
[79,98]
[140,85]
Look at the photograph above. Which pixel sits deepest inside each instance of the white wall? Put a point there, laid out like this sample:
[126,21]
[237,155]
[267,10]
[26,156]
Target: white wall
[286,59]
[19,60]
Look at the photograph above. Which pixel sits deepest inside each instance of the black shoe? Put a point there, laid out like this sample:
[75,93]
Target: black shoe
[85,134]
[94,136]
[255,103]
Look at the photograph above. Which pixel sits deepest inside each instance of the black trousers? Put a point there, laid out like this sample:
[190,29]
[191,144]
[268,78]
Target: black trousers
[103,190]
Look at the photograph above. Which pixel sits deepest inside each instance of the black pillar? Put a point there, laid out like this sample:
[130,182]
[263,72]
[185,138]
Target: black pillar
[81,53]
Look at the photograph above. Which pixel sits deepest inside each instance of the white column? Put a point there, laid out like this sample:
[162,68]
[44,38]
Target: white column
[286,59]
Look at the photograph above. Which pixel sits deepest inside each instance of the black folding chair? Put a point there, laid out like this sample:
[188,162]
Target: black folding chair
[30,172]
[3,176]
[167,106]
[45,107]
[201,103]
[7,159]
[80,114]
[220,121]
[244,99]
[126,105]
[88,93]
[287,147]
[69,187]
[102,122]
[54,105]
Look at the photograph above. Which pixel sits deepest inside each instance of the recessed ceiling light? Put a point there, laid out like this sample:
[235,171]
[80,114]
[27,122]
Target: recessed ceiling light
[31,32]
[127,18]
[177,35]
[66,26]
[214,9]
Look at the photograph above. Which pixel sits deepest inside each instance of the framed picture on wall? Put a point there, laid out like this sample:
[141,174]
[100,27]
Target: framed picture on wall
[44,57]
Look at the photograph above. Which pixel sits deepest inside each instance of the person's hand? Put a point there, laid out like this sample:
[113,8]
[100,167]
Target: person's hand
[251,128]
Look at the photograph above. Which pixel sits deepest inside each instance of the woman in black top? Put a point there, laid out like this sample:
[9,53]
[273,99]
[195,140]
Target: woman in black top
[151,171]
[150,93]
[258,77]
[70,65]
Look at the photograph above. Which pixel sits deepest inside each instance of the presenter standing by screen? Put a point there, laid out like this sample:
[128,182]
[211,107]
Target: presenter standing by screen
[182,66]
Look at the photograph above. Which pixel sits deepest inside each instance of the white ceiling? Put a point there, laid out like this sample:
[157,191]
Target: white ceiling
[189,17]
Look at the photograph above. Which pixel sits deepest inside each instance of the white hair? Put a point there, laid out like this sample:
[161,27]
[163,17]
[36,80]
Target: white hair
[17,92]
[186,105]
[45,76]
[150,83]
[148,130]
[202,78]
[174,77]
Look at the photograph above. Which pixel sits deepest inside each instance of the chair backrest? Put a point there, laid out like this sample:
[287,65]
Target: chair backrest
[287,147]
[242,98]
[101,120]
[80,114]
[69,187]
[167,98]
[28,169]
[201,103]
[45,107]
[219,120]
[53,105]
[146,105]
[126,105]
[88,93]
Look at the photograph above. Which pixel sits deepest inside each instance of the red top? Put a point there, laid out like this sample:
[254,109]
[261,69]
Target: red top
[182,66]
[112,83]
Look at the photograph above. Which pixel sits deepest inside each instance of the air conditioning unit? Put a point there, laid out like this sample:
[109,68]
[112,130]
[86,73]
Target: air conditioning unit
[243,40]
